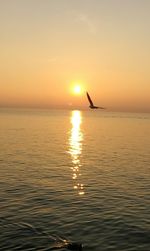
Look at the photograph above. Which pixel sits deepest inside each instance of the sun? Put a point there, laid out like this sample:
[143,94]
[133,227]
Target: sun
[77,89]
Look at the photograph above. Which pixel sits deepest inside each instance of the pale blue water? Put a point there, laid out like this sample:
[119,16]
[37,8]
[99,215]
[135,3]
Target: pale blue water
[83,176]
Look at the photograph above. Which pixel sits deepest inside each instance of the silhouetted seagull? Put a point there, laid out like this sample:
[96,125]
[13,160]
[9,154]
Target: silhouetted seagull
[92,106]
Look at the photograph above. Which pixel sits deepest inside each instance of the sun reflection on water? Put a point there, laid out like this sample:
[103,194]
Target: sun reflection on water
[75,150]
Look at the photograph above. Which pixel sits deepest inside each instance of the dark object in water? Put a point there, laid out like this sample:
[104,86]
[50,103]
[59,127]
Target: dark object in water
[74,246]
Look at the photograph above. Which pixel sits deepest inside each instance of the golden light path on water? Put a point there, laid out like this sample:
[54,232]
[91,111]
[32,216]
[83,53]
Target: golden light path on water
[75,149]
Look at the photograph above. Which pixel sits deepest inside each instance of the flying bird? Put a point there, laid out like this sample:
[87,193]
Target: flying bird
[92,106]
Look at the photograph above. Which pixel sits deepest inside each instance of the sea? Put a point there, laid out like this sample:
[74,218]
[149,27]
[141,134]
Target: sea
[71,177]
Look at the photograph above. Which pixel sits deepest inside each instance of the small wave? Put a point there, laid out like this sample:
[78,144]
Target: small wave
[29,234]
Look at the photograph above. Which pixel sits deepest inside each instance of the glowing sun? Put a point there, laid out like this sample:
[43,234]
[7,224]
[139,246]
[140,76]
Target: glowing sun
[77,89]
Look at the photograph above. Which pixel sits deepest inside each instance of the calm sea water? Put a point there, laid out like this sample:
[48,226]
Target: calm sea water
[74,176]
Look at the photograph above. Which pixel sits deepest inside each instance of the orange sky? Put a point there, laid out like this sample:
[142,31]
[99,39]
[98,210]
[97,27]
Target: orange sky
[47,46]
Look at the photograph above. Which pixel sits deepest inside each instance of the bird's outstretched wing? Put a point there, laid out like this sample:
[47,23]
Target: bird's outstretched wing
[89,99]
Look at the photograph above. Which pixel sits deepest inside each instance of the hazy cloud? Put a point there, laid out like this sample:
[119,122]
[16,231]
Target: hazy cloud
[88,22]
[52,60]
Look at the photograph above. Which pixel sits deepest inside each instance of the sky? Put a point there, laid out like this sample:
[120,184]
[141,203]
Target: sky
[48,46]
